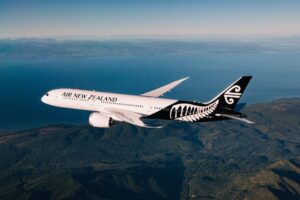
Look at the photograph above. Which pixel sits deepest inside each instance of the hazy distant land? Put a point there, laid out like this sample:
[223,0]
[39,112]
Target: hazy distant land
[222,160]
[50,48]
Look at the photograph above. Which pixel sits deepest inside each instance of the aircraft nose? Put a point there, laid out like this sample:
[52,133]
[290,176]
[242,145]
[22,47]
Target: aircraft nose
[43,99]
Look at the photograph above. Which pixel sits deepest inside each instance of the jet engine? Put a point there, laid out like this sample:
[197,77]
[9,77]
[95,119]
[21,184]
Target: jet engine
[100,121]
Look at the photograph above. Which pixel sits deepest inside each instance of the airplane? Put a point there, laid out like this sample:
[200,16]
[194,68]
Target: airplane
[109,108]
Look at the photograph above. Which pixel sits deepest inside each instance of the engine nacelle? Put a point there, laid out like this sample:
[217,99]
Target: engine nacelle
[100,121]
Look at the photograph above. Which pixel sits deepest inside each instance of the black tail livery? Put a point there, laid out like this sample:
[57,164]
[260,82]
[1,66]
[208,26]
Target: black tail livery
[229,97]
[221,107]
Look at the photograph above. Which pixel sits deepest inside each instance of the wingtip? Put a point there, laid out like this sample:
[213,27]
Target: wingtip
[183,79]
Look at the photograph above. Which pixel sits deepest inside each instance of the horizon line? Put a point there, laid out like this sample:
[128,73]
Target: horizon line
[154,36]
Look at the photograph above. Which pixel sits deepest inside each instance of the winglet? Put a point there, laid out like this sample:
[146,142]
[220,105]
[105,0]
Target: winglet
[162,90]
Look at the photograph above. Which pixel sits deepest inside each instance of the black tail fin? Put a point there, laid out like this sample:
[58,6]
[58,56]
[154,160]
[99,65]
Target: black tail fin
[231,95]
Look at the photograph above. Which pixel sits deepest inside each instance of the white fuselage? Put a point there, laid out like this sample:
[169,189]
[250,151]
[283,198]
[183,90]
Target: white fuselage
[98,101]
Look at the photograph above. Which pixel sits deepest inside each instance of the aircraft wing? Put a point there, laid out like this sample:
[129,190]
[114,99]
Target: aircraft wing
[236,118]
[129,117]
[162,90]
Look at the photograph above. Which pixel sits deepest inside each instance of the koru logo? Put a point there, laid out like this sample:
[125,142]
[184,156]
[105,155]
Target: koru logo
[232,93]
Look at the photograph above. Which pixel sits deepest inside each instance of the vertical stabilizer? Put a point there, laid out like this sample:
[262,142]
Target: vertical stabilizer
[229,97]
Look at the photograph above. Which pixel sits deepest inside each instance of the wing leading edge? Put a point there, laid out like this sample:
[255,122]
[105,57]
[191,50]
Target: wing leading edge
[162,90]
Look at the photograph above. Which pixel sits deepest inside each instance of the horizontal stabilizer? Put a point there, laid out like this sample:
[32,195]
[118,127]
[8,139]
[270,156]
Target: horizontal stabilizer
[235,117]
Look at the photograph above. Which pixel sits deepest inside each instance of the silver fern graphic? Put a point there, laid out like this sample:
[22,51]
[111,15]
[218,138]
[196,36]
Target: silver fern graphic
[191,113]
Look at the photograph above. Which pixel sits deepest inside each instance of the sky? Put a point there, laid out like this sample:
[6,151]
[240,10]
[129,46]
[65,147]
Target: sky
[138,18]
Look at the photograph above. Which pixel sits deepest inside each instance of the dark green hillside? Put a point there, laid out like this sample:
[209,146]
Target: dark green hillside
[280,180]
[221,160]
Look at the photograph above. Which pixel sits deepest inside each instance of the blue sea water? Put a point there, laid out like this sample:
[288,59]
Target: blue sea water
[22,83]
